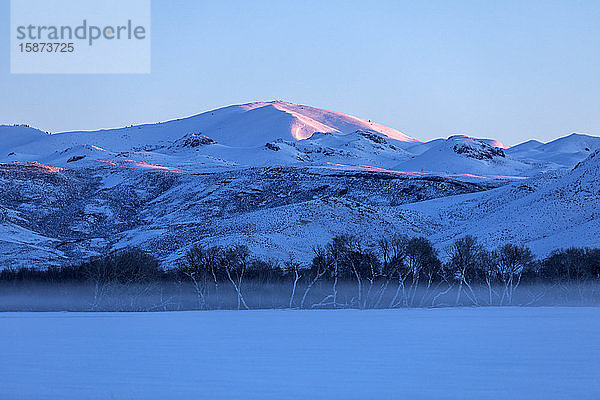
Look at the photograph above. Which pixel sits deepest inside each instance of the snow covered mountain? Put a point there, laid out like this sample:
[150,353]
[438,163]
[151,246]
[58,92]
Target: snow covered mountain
[549,212]
[19,135]
[463,155]
[255,134]
[283,178]
[246,125]
[281,133]
[563,152]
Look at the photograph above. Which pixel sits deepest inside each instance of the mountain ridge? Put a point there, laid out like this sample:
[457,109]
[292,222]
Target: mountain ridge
[164,187]
[283,133]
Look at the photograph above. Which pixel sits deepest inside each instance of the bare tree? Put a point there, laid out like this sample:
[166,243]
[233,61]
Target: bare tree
[235,262]
[392,252]
[394,266]
[373,272]
[489,271]
[320,266]
[337,259]
[98,272]
[129,273]
[196,266]
[511,261]
[422,260]
[364,266]
[465,257]
[293,270]
[337,250]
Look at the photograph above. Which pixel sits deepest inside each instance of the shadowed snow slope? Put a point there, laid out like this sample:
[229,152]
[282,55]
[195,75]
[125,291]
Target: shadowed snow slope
[18,135]
[464,155]
[566,151]
[546,213]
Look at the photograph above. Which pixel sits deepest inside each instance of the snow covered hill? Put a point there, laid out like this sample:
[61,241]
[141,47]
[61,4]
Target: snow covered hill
[563,152]
[246,125]
[59,215]
[283,178]
[280,133]
[247,135]
[463,155]
[14,136]
[549,212]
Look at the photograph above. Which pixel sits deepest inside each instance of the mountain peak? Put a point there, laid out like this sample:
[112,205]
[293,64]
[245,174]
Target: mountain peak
[474,148]
[308,120]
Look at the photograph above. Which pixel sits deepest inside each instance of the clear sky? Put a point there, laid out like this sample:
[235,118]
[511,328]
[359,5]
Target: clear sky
[511,70]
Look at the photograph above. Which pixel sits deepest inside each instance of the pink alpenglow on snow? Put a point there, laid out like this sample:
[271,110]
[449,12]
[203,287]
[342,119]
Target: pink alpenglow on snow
[309,120]
[495,143]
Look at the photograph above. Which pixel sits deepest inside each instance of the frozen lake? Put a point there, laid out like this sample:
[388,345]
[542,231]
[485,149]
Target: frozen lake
[485,353]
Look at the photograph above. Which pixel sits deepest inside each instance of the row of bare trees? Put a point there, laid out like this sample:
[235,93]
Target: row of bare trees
[396,272]
[412,268]
[346,273]
[207,268]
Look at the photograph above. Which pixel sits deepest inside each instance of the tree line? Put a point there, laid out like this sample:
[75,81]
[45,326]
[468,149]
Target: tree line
[346,273]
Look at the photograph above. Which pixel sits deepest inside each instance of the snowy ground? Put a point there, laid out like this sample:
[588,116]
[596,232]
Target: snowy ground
[491,353]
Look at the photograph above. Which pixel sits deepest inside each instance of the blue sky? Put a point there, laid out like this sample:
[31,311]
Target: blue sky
[511,70]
